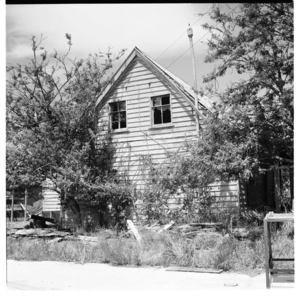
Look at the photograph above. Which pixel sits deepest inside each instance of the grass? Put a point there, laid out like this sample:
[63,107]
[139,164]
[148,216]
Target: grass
[165,249]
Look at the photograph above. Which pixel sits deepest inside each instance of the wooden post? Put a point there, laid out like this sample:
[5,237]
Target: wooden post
[267,251]
[190,35]
[25,210]
[277,189]
[134,230]
[12,206]
[60,215]
[292,187]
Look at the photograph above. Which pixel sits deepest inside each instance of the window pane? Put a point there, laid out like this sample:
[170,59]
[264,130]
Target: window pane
[115,125]
[157,115]
[115,117]
[165,100]
[114,106]
[123,119]
[156,101]
[122,105]
[166,114]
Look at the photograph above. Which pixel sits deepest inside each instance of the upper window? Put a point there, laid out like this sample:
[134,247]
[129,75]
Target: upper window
[118,115]
[161,110]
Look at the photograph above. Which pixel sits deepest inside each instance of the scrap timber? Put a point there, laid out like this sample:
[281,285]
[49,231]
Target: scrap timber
[192,269]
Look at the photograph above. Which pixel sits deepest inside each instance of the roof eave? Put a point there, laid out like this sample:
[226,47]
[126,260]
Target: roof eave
[115,77]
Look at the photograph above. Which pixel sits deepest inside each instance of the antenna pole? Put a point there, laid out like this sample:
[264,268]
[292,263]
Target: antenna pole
[190,35]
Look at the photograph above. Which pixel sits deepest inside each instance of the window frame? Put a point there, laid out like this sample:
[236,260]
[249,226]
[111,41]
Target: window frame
[110,112]
[152,113]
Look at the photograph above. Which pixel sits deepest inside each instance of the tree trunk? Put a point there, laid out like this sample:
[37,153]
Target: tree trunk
[74,207]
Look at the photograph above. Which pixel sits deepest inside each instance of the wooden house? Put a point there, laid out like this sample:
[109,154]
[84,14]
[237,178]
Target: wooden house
[147,112]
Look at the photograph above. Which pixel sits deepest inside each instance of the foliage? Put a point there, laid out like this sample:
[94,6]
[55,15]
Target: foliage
[178,179]
[252,125]
[51,127]
[249,129]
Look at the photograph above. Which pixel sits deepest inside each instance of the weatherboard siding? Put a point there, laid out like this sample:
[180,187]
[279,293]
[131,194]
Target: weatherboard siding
[51,197]
[136,85]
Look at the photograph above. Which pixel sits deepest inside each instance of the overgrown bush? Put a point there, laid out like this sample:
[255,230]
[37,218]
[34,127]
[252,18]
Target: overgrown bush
[177,181]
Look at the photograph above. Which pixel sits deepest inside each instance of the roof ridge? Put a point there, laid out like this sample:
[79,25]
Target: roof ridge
[189,92]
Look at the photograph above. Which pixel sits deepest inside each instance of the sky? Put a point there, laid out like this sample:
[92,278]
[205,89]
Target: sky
[153,28]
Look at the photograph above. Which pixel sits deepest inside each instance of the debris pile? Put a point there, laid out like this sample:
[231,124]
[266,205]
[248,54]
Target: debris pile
[38,233]
[193,229]
[188,230]
[41,227]
[37,227]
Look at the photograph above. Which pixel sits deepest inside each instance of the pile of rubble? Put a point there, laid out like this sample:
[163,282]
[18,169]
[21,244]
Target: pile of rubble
[206,229]
[41,227]
[46,228]
[37,227]
[188,230]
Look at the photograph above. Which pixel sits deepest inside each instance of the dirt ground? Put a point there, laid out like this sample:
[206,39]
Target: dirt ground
[23,275]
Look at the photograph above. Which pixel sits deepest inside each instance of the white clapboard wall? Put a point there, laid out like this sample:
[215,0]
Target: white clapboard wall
[220,195]
[51,197]
[224,194]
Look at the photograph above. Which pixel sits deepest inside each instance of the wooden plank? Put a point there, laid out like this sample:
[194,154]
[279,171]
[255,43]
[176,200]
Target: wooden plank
[50,195]
[177,122]
[221,183]
[25,211]
[138,135]
[217,188]
[192,269]
[134,230]
[139,90]
[12,205]
[25,208]
[88,238]
[144,141]
[155,149]
[282,271]
[279,217]
[16,208]
[166,227]
[206,224]
[277,189]
[136,72]
[137,131]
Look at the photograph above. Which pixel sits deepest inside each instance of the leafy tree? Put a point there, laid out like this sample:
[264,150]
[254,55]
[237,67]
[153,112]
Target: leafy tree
[252,126]
[52,123]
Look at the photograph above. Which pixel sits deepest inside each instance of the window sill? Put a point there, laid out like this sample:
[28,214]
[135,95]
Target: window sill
[161,127]
[119,131]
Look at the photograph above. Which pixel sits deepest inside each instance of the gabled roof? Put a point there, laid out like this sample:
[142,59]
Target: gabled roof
[181,86]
